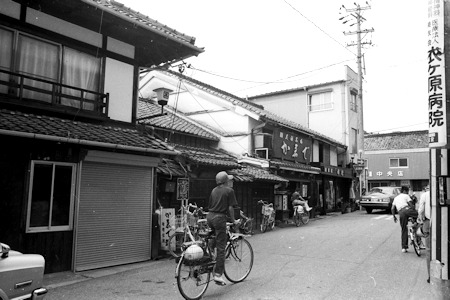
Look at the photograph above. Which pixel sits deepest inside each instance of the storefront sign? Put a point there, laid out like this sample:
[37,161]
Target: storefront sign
[437,108]
[167,226]
[385,174]
[336,171]
[182,189]
[358,168]
[291,146]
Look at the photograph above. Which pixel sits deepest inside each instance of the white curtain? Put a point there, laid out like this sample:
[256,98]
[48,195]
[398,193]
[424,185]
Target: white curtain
[6,38]
[38,59]
[83,71]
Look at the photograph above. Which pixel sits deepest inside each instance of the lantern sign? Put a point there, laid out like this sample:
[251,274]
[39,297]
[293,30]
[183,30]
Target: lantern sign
[437,107]
[182,189]
[358,168]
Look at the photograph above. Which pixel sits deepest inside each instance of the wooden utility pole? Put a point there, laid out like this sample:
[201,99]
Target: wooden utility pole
[354,15]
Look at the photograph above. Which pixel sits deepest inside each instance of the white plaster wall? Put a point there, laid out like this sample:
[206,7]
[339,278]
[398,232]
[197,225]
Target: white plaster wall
[315,150]
[333,156]
[119,84]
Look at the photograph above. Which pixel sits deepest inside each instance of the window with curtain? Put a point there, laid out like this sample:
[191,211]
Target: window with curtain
[6,42]
[38,59]
[83,71]
[320,101]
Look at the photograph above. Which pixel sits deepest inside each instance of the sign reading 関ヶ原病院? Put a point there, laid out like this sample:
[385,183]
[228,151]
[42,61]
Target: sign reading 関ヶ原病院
[437,114]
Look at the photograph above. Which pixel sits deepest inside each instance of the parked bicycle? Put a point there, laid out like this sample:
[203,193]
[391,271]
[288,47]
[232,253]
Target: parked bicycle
[246,226]
[268,213]
[416,240]
[301,216]
[192,223]
[196,263]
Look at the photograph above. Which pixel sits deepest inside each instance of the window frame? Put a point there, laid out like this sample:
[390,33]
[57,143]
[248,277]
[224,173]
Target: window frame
[398,163]
[353,101]
[49,227]
[323,106]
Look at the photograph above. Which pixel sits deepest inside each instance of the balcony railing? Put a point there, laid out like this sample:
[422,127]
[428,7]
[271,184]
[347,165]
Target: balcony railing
[16,86]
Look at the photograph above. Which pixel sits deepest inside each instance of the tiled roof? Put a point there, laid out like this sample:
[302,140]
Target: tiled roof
[170,121]
[396,140]
[210,157]
[139,19]
[170,167]
[253,107]
[251,174]
[64,130]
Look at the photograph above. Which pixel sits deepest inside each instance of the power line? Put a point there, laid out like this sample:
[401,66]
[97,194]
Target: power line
[319,27]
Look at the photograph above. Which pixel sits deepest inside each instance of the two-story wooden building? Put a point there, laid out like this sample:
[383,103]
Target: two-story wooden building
[77,173]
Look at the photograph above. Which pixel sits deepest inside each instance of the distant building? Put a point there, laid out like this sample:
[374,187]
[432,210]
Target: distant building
[396,159]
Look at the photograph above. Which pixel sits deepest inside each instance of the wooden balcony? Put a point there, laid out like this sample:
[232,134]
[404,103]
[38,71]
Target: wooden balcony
[29,91]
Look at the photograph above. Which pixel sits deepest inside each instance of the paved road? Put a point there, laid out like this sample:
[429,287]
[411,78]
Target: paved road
[342,256]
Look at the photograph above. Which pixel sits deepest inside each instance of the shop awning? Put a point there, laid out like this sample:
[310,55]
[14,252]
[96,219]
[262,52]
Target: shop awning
[295,167]
[252,174]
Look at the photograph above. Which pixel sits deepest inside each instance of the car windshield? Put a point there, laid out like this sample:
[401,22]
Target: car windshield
[385,190]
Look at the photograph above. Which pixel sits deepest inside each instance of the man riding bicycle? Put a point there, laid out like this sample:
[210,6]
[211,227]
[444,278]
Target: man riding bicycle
[298,200]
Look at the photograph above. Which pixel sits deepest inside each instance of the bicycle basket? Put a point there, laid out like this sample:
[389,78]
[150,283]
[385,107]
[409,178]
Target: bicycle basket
[267,210]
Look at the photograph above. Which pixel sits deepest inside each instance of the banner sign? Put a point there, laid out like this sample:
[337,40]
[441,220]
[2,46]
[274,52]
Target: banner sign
[437,113]
[291,146]
[182,189]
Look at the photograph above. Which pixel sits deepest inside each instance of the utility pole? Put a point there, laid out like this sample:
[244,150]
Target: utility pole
[354,15]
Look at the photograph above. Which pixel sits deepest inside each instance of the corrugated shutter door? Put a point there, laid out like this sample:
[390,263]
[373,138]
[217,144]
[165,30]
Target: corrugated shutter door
[114,215]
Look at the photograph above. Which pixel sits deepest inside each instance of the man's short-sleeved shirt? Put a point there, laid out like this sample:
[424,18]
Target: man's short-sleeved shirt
[401,201]
[221,198]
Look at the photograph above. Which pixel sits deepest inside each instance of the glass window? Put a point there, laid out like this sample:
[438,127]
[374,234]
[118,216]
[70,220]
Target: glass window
[6,38]
[83,71]
[51,196]
[320,101]
[38,59]
[353,97]
[398,162]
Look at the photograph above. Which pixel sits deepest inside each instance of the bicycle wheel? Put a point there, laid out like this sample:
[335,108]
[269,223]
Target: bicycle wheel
[297,218]
[305,217]
[238,260]
[176,241]
[192,280]
[414,243]
[264,224]
[272,224]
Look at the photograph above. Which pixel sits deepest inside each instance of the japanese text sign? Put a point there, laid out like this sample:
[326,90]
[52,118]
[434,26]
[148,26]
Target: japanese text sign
[292,146]
[437,114]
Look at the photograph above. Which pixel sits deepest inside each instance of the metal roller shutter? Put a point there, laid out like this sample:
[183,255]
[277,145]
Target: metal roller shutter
[114,215]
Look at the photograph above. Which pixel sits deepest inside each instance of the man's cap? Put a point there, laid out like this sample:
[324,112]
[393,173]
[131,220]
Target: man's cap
[223,177]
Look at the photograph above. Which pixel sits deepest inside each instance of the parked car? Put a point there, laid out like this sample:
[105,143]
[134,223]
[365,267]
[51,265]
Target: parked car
[379,198]
[21,275]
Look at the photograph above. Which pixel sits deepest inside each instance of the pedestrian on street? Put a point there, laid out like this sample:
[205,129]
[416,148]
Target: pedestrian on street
[425,217]
[403,205]
[221,204]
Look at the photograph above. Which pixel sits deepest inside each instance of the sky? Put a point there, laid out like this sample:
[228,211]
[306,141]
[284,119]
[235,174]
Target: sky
[254,47]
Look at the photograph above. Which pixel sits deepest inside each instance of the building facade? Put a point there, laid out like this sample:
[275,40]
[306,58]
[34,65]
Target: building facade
[78,172]
[397,159]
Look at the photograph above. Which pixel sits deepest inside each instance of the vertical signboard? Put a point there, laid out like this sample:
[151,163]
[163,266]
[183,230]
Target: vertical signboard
[437,113]
[167,226]
[182,189]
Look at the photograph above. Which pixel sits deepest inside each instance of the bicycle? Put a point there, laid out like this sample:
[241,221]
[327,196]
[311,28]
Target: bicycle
[268,215]
[301,216]
[192,223]
[246,226]
[194,275]
[416,241]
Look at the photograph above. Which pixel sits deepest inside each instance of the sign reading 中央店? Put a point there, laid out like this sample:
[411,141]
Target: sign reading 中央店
[437,114]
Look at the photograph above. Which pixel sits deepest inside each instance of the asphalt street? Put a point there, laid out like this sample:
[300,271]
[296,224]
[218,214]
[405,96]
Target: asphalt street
[338,256]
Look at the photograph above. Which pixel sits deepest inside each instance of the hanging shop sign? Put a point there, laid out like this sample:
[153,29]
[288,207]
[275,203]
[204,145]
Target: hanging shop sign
[182,189]
[291,146]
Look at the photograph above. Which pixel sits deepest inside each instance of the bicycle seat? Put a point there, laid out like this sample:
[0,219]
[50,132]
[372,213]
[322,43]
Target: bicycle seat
[206,233]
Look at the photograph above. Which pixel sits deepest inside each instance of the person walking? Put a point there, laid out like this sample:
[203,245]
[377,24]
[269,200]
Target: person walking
[403,205]
[425,218]
[221,204]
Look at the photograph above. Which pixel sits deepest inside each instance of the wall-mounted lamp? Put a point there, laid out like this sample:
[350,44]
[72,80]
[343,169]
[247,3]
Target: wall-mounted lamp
[162,95]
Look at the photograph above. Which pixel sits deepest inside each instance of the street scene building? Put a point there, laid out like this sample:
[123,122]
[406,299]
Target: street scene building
[397,159]
[78,173]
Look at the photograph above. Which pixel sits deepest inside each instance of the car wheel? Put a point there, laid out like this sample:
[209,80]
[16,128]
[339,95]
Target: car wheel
[369,210]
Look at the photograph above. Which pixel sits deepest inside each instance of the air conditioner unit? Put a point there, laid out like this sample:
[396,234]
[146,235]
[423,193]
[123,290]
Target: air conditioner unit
[262,152]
